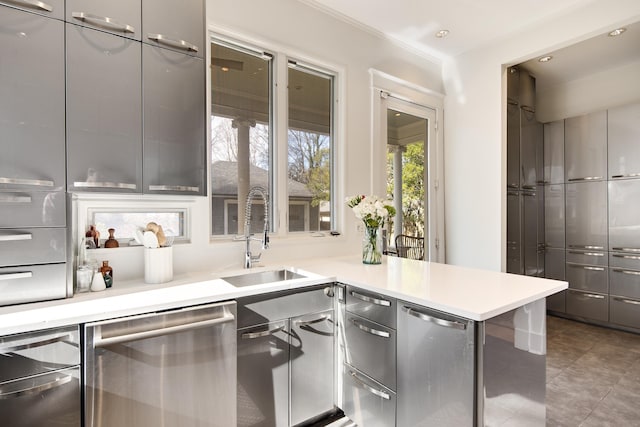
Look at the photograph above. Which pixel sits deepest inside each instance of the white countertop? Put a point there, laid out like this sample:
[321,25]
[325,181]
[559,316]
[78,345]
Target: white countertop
[470,293]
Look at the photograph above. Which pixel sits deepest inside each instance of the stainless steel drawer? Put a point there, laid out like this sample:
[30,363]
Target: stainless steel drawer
[625,311]
[32,209]
[587,277]
[265,308]
[366,402]
[588,305]
[371,348]
[587,257]
[26,246]
[379,308]
[624,260]
[33,353]
[624,282]
[32,283]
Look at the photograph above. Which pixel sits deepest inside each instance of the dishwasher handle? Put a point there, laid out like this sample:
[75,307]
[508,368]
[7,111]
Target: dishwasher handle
[98,341]
[435,320]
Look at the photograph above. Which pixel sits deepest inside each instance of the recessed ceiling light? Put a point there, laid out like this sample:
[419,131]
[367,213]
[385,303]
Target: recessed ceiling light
[617,32]
[442,34]
[545,58]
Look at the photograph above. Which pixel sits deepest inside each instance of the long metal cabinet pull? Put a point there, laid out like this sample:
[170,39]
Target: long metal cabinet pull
[626,256]
[630,272]
[593,296]
[25,181]
[15,237]
[585,247]
[180,44]
[37,389]
[627,301]
[91,184]
[383,334]
[181,188]
[35,344]
[436,320]
[252,335]
[35,4]
[586,178]
[303,323]
[628,175]
[13,198]
[103,21]
[626,250]
[367,387]
[13,276]
[586,267]
[98,341]
[376,301]
[587,253]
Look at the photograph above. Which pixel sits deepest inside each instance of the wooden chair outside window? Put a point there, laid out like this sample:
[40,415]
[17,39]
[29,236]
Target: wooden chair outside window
[411,247]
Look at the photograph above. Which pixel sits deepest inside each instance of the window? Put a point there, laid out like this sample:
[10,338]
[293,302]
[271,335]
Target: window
[125,222]
[244,149]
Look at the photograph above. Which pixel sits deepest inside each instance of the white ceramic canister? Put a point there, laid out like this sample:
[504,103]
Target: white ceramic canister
[158,265]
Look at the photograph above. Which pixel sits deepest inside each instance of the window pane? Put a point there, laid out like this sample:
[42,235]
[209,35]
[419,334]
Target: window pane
[310,150]
[126,223]
[240,134]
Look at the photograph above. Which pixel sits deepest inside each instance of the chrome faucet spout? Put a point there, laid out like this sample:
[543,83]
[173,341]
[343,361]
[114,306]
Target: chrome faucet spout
[256,190]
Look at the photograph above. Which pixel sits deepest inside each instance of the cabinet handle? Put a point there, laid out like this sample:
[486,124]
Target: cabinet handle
[512,186]
[15,237]
[303,323]
[629,272]
[180,44]
[35,4]
[529,193]
[91,184]
[586,247]
[376,301]
[35,344]
[628,175]
[512,193]
[13,276]
[435,320]
[592,296]
[23,181]
[103,21]
[252,335]
[181,188]
[13,198]
[626,256]
[587,253]
[367,387]
[372,331]
[626,250]
[586,178]
[528,187]
[627,301]
[61,380]
[586,267]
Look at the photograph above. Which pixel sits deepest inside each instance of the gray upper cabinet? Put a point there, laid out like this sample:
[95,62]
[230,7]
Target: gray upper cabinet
[174,122]
[624,141]
[554,206]
[513,86]
[50,8]
[31,102]
[624,215]
[554,152]
[586,215]
[121,17]
[531,135]
[104,115]
[527,89]
[175,25]
[513,145]
[586,147]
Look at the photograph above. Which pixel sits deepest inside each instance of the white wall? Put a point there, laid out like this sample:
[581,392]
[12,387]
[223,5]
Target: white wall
[475,143]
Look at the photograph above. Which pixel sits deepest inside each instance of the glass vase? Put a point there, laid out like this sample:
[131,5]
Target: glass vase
[372,245]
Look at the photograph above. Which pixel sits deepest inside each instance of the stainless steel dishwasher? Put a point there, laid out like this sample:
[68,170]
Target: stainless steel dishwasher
[171,368]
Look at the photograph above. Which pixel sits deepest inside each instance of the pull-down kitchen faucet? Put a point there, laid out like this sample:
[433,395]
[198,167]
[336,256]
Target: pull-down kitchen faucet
[248,257]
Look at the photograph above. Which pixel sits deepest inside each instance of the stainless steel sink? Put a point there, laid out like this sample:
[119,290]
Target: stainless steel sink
[259,277]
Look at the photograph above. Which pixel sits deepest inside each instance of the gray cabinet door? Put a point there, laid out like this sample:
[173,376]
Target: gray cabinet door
[554,152]
[121,17]
[624,215]
[554,216]
[174,122]
[31,102]
[588,305]
[513,85]
[533,232]
[175,25]
[554,268]
[50,8]
[624,141]
[104,131]
[586,147]
[514,233]
[531,144]
[513,146]
[586,215]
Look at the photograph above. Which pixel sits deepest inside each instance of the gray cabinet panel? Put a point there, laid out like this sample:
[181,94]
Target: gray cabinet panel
[514,233]
[32,283]
[624,275]
[26,246]
[595,258]
[50,8]
[104,132]
[531,144]
[624,215]
[174,122]
[588,305]
[625,312]
[376,307]
[513,85]
[554,268]
[624,141]
[533,232]
[554,216]
[33,209]
[32,139]
[121,17]
[180,25]
[586,147]
[587,278]
[554,152]
[367,402]
[586,215]
[527,89]
[513,146]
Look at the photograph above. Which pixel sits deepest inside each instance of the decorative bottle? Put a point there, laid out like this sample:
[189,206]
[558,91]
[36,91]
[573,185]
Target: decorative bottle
[107,273]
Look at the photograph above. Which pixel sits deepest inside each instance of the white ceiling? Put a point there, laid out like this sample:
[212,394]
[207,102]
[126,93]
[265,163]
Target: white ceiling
[474,23]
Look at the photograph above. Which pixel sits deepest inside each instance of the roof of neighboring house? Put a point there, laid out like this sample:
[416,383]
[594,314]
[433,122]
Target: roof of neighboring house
[224,180]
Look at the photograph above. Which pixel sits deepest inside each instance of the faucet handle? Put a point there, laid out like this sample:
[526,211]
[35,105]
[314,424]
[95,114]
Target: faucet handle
[265,240]
[256,257]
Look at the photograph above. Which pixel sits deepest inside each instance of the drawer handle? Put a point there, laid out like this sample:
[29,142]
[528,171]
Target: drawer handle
[586,247]
[14,198]
[587,253]
[252,335]
[367,387]
[626,249]
[626,256]
[91,184]
[23,181]
[629,272]
[35,4]
[15,237]
[627,301]
[383,334]
[13,276]
[180,188]
[592,296]
[586,178]
[35,344]
[180,44]
[627,175]
[435,320]
[303,323]
[61,380]
[376,301]
[586,267]
[103,21]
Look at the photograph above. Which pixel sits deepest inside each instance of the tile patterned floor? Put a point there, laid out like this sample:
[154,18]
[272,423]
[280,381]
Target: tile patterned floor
[593,375]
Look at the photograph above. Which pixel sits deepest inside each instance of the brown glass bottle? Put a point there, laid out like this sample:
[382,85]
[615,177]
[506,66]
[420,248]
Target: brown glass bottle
[107,273]
[111,242]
